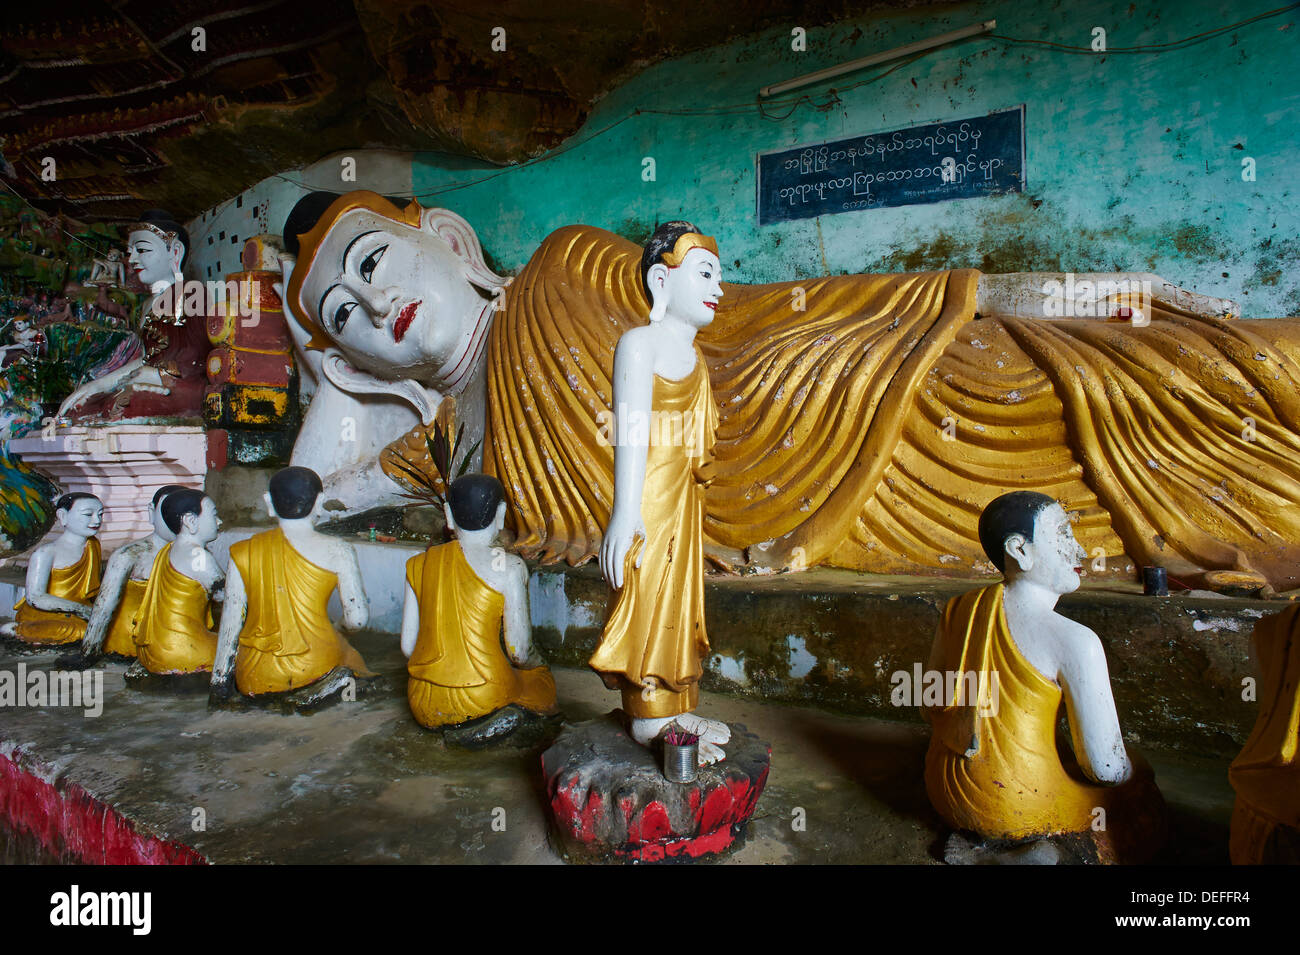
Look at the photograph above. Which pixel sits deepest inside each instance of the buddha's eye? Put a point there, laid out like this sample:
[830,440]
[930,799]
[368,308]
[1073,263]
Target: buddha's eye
[341,315]
[367,268]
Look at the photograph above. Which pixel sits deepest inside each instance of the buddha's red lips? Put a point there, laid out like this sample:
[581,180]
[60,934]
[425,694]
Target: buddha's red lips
[404,319]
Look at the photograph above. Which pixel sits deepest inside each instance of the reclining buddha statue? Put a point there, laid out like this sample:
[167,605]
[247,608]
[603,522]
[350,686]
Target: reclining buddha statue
[863,419]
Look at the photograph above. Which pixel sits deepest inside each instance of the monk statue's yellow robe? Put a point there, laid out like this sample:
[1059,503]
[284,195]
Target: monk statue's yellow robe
[288,640]
[866,420]
[459,670]
[994,766]
[79,582]
[121,631]
[1266,774]
[172,632]
[655,639]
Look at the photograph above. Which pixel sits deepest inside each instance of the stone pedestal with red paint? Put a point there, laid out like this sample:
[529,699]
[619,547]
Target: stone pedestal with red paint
[609,800]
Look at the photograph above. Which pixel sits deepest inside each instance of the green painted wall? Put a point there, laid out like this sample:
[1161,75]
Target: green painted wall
[1134,161]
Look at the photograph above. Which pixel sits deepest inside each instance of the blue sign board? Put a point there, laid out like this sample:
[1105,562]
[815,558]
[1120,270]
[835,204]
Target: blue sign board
[959,159]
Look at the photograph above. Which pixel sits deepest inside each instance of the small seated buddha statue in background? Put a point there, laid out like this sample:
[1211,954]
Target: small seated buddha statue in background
[1266,774]
[173,634]
[112,620]
[62,577]
[457,596]
[995,768]
[276,635]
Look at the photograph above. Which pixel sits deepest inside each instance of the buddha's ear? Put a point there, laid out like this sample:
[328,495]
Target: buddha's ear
[1017,548]
[451,521]
[176,250]
[345,377]
[270,508]
[500,521]
[462,238]
[657,278]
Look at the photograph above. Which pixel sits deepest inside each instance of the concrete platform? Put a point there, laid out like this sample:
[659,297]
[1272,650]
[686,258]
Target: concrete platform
[834,639]
[362,782]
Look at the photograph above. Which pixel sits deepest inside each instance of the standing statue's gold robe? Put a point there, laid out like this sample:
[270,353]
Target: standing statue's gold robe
[655,635]
[458,670]
[866,420]
[287,640]
[994,768]
[79,582]
[121,632]
[1266,774]
[171,626]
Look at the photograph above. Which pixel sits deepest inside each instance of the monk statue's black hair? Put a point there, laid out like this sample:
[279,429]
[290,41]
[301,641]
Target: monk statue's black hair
[1009,514]
[163,491]
[67,500]
[179,503]
[662,241]
[294,491]
[474,499]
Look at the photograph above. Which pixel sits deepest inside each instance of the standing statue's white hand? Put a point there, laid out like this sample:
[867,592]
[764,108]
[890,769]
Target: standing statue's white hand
[619,538]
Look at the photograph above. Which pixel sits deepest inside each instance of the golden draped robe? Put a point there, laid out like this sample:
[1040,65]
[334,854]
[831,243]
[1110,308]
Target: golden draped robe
[866,420]
[171,626]
[79,582]
[287,640]
[656,629]
[997,771]
[121,632]
[1266,774]
[458,670]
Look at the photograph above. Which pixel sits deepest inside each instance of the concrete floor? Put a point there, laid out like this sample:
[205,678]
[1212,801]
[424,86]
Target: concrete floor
[362,782]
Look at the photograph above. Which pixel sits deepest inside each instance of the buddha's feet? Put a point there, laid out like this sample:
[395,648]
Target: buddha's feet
[712,734]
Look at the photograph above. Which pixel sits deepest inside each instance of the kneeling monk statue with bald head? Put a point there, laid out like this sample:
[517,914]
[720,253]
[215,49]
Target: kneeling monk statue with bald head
[995,767]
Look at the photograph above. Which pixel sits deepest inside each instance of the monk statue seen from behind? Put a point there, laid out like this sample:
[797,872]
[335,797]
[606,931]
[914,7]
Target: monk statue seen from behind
[111,630]
[458,597]
[173,627]
[995,770]
[276,634]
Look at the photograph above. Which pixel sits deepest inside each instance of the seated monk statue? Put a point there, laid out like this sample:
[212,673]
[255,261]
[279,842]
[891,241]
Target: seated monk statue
[457,596]
[861,417]
[1266,774]
[62,577]
[168,377]
[276,634]
[995,768]
[173,625]
[112,621]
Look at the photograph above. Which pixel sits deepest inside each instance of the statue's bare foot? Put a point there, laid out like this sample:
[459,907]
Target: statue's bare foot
[9,630]
[709,731]
[710,753]
[960,850]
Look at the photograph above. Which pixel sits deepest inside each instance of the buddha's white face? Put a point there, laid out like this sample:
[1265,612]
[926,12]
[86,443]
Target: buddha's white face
[83,517]
[396,300]
[150,259]
[1056,556]
[692,289]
